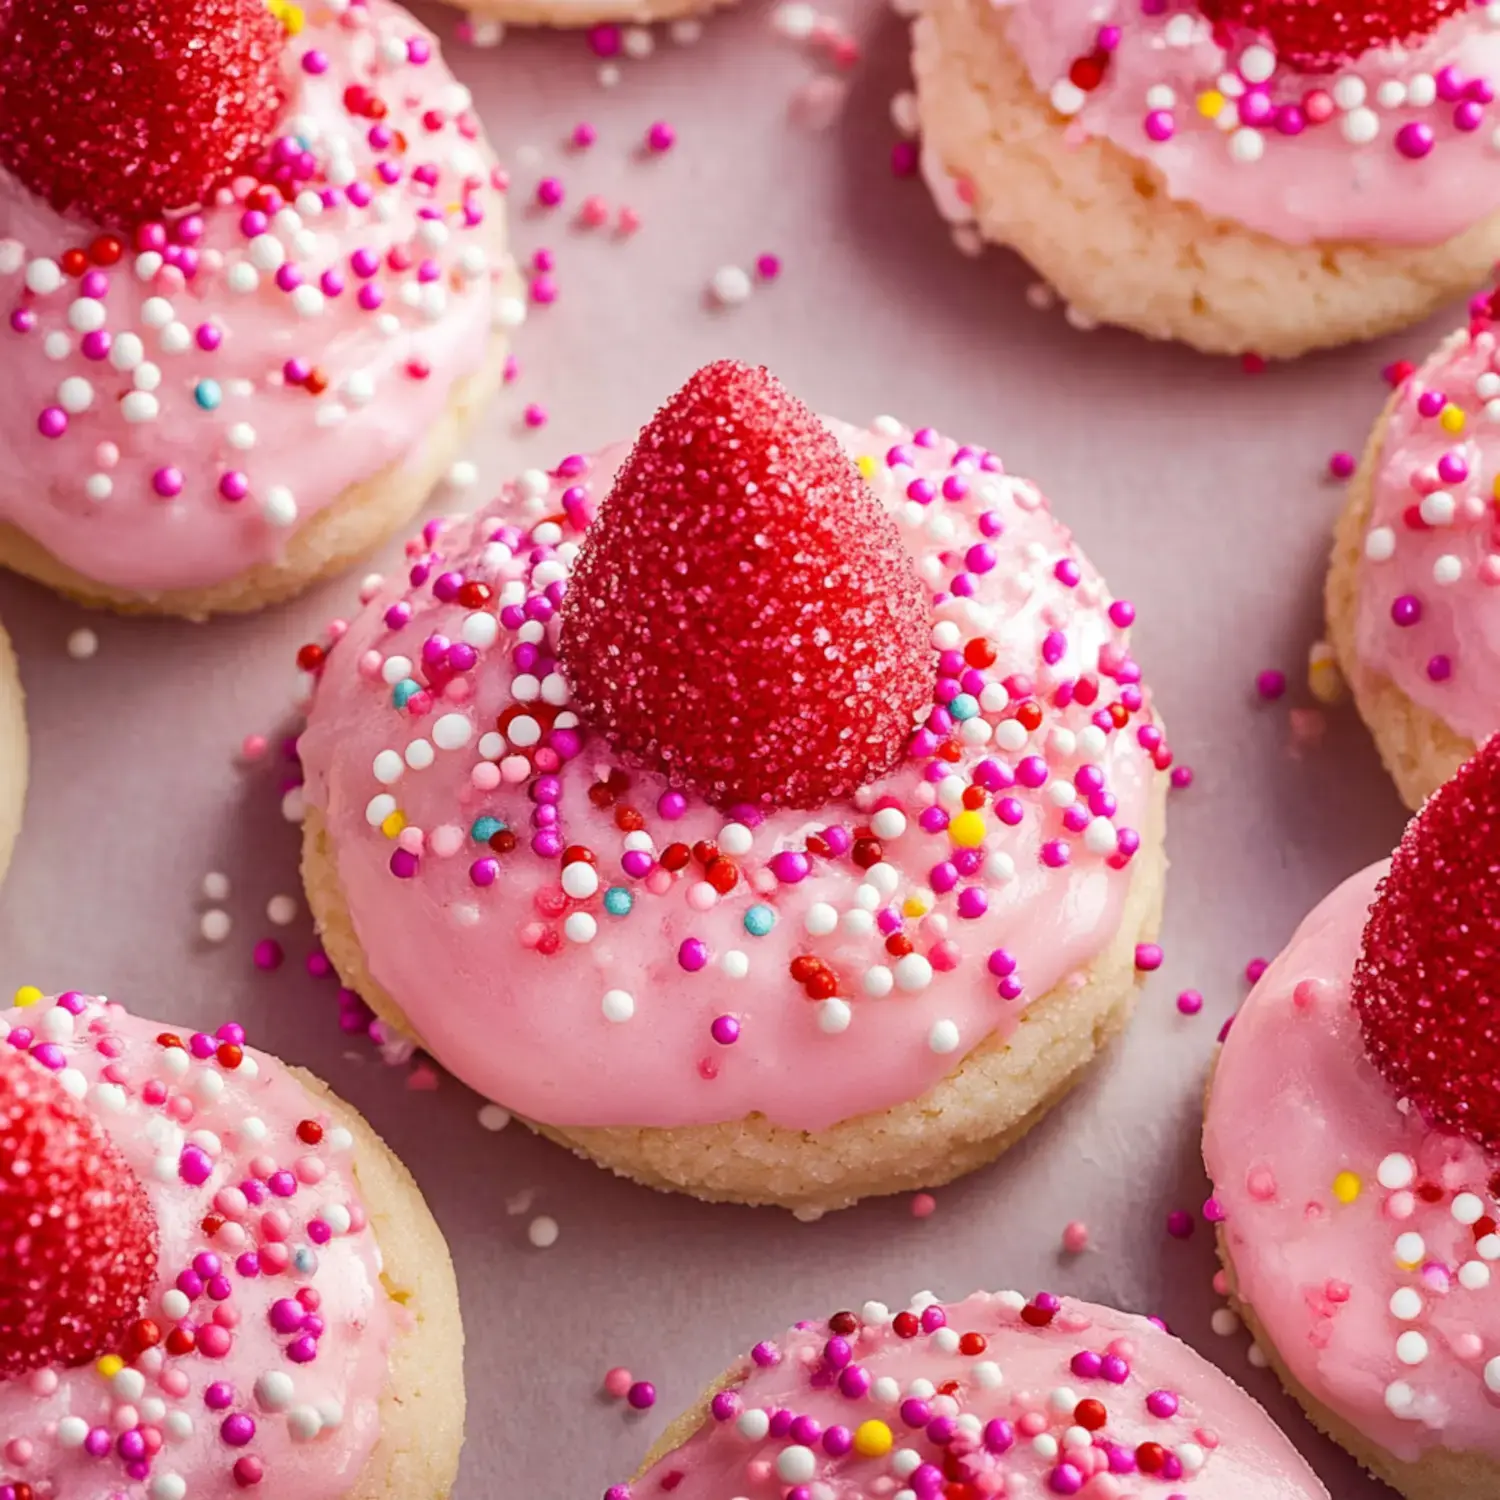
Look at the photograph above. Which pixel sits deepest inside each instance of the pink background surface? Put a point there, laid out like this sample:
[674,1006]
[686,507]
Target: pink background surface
[1196,488]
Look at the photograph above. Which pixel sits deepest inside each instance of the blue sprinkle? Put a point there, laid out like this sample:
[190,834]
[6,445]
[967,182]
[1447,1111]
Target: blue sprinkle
[618,901]
[208,395]
[305,1258]
[485,829]
[759,920]
[964,706]
[404,692]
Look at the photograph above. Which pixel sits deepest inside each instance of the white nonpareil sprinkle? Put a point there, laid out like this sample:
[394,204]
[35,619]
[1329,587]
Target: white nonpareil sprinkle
[730,286]
[281,911]
[542,1232]
[215,925]
[83,644]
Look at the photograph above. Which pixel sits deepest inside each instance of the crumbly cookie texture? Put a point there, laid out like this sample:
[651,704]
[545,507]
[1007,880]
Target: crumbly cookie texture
[14,751]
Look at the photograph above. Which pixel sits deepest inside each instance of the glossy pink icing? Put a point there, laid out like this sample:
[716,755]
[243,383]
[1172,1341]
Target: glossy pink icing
[508,983]
[1432,538]
[1295,1103]
[311,1436]
[1314,185]
[947,1409]
[91,496]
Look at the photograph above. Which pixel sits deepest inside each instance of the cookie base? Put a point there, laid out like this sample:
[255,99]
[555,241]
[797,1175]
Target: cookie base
[568,13]
[331,541]
[422,1411]
[13,751]
[1419,749]
[1439,1474]
[1100,226]
[994,1096]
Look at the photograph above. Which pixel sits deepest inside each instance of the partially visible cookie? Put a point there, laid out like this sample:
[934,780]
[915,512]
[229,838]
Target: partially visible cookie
[994,1395]
[1353,1138]
[1324,213]
[209,412]
[1413,590]
[236,1284]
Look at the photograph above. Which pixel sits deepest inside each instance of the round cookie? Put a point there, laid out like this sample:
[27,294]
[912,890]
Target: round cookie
[13,751]
[1412,598]
[249,1295]
[1095,141]
[586,12]
[678,908]
[1054,1395]
[209,411]
[1351,1138]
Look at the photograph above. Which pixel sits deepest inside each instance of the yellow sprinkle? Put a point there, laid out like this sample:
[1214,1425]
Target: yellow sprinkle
[1346,1187]
[290,16]
[1211,104]
[967,830]
[915,906]
[1497,486]
[28,994]
[1325,681]
[866,465]
[872,1440]
[110,1366]
[1451,418]
[393,823]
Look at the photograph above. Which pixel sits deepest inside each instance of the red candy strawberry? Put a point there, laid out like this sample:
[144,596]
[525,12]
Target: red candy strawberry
[1427,985]
[121,110]
[743,616]
[1318,36]
[77,1235]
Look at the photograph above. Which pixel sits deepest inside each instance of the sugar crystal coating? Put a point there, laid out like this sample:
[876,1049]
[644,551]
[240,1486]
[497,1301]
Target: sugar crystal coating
[1428,979]
[130,108]
[743,616]
[1319,37]
[77,1234]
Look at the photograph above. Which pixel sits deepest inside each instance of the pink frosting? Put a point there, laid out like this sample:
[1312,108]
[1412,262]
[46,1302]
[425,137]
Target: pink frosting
[637,994]
[187,456]
[178,1113]
[1308,158]
[1429,580]
[1063,1409]
[1363,1240]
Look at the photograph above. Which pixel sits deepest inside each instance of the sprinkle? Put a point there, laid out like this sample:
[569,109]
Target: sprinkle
[542,1232]
[83,644]
[214,925]
[1346,1187]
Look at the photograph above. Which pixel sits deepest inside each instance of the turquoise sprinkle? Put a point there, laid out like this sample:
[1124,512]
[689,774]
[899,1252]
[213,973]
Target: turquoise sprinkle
[485,829]
[208,395]
[964,706]
[759,920]
[404,692]
[305,1258]
[618,901]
